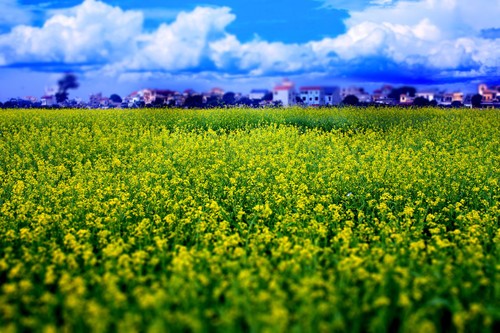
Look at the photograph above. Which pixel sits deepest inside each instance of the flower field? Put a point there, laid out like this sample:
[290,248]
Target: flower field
[286,220]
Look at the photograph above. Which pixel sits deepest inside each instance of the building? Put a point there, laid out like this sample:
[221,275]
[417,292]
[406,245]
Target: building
[217,92]
[332,96]
[320,96]
[312,95]
[48,100]
[382,95]
[428,95]
[489,94]
[447,99]
[406,99]
[133,99]
[285,93]
[360,93]
[98,101]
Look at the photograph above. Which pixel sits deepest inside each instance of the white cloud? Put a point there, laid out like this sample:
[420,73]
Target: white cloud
[92,32]
[456,18]
[182,44]
[260,57]
[440,35]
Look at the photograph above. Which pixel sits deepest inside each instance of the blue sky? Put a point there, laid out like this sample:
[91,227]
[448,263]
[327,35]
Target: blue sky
[120,46]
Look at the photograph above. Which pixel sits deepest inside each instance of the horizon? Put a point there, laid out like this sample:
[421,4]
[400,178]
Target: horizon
[119,47]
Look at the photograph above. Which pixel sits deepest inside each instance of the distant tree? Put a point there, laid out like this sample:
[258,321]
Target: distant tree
[350,100]
[158,103]
[433,103]
[476,101]
[456,104]
[213,102]
[194,101]
[1,105]
[245,101]
[421,101]
[69,81]
[115,98]
[268,97]
[397,92]
[10,104]
[229,98]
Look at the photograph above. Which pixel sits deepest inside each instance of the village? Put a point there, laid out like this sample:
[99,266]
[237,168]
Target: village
[283,94]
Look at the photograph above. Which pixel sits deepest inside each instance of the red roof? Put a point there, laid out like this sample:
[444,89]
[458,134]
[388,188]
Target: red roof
[312,88]
[283,88]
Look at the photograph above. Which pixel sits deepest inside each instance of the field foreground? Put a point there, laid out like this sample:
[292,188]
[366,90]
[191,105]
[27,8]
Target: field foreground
[287,220]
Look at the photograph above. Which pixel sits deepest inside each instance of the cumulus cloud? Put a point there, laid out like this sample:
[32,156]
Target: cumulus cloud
[92,33]
[184,43]
[456,18]
[443,34]
[433,37]
[260,57]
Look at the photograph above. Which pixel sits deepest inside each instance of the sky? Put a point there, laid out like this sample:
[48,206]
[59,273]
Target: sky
[122,46]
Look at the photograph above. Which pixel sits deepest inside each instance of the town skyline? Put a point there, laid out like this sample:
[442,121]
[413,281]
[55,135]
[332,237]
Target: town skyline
[284,93]
[118,47]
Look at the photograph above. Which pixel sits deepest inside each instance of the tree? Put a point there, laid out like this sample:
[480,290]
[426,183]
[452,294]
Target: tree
[68,81]
[298,100]
[11,104]
[421,101]
[397,92]
[115,98]
[476,101]
[229,98]
[350,100]
[456,104]
[268,97]
[194,101]
[213,102]
[245,101]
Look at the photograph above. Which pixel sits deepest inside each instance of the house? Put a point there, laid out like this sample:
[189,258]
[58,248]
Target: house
[48,100]
[449,98]
[489,94]
[332,96]
[149,96]
[320,96]
[133,98]
[428,95]
[217,92]
[98,101]
[312,95]
[406,99]
[360,93]
[382,95]
[285,93]
[258,94]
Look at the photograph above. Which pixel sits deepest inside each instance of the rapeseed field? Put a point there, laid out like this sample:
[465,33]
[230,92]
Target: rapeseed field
[230,220]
